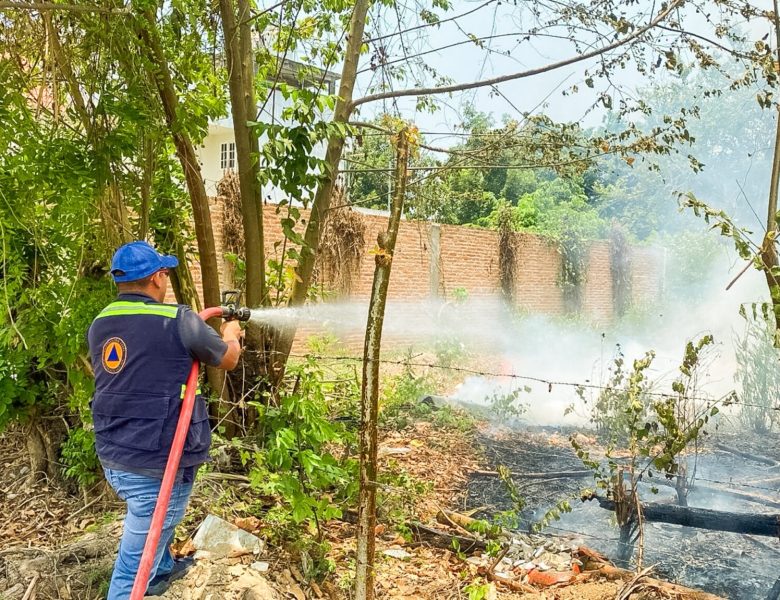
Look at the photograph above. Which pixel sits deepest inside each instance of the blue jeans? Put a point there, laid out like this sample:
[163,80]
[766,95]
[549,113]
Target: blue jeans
[140,492]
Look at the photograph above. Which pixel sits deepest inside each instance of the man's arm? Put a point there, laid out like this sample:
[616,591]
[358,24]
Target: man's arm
[204,344]
[231,333]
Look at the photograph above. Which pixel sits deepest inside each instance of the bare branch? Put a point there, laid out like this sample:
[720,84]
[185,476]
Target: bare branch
[522,74]
[424,25]
[706,40]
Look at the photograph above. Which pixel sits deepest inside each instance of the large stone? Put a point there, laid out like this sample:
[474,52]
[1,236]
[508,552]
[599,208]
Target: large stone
[217,538]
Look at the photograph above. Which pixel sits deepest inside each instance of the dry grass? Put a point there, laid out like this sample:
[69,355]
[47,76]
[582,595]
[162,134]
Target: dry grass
[342,246]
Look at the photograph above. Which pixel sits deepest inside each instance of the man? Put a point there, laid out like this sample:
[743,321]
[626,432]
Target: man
[142,352]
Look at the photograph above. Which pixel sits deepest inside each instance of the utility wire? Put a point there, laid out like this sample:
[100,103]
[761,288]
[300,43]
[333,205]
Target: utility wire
[424,25]
[550,383]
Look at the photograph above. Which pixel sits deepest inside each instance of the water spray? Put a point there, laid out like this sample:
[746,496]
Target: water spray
[230,310]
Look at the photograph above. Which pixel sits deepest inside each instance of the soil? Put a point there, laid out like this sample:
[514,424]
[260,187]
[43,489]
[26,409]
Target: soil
[70,545]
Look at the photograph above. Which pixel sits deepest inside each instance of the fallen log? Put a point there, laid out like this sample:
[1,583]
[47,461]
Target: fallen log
[442,539]
[462,523]
[702,518]
[551,475]
[458,522]
[754,457]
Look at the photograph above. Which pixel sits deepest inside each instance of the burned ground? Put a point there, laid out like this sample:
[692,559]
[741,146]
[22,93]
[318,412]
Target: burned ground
[735,566]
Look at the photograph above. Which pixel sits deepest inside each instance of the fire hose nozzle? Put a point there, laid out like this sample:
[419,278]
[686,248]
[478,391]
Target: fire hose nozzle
[236,313]
[231,307]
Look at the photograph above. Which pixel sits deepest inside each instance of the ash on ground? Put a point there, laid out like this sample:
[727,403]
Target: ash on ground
[736,566]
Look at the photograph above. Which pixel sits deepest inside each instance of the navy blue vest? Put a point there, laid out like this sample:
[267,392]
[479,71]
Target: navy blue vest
[141,367]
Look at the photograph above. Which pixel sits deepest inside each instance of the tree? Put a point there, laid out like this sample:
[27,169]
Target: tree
[94,152]
[239,54]
[369,399]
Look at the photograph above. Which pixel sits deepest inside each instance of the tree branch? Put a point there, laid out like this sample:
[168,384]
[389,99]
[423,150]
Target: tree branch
[424,25]
[706,40]
[522,74]
[79,8]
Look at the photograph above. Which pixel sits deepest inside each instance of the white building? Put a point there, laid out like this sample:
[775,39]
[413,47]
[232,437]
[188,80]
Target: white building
[217,154]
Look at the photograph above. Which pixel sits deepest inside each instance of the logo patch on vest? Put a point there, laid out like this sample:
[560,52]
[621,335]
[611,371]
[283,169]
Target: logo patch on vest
[114,355]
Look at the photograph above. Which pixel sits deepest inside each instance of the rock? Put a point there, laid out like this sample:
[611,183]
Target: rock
[260,591]
[260,566]
[559,562]
[398,553]
[218,539]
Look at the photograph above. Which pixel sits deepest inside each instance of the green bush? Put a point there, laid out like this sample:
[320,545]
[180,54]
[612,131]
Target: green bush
[79,456]
[295,461]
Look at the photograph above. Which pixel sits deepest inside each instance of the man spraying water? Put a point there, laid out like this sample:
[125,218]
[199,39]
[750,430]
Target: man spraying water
[142,351]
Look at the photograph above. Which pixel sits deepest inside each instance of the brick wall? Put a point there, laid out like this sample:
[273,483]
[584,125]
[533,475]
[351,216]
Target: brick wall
[435,260]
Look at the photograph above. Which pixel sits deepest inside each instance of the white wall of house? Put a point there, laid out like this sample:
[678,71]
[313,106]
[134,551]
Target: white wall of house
[215,152]
[209,154]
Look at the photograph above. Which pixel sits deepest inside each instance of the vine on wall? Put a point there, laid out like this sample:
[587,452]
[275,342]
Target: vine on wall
[620,269]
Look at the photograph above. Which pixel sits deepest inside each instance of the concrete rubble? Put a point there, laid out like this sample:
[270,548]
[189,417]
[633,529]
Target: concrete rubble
[227,566]
[532,555]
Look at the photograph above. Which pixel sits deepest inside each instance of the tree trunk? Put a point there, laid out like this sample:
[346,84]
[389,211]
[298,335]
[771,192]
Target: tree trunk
[42,450]
[768,249]
[39,464]
[625,547]
[240,64]
[764,460]
[322,197]
[169,235]
[369,400]
[160,73]
[147,174]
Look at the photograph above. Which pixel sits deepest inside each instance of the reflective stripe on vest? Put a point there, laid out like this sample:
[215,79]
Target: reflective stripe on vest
[122,308]
[184,389]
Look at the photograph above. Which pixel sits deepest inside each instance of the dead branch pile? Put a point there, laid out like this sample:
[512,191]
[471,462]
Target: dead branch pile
[233,227]
[341,247]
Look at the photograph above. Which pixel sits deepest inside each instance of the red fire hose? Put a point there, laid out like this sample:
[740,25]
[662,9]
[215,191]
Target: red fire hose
[161,508]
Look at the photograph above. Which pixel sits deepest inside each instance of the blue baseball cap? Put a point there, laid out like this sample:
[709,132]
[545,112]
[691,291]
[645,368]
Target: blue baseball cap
[137,260]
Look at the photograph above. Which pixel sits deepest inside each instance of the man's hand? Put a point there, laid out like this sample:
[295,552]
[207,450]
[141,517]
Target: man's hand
[231,330]
[231,334]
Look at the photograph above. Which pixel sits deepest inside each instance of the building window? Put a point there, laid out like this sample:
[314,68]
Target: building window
[227,156]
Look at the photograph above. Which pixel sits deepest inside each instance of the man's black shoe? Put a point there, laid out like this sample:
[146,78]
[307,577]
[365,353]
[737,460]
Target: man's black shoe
[162,582]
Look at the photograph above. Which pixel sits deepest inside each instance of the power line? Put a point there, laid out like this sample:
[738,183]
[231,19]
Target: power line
[479,166]
[550,383]
[425,25]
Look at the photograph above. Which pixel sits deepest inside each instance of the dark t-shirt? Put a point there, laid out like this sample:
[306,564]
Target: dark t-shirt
[203,344]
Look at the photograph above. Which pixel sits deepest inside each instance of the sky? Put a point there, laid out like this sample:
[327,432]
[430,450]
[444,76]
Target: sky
[549,93]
